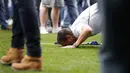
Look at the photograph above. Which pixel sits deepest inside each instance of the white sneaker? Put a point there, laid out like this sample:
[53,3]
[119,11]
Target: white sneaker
[43,30]
[9,21]
[49,29]
[56,30]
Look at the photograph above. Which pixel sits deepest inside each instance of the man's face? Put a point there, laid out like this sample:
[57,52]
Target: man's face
[69,41]
[64,43]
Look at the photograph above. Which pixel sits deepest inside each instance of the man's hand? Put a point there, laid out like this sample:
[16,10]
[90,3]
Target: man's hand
[69,46]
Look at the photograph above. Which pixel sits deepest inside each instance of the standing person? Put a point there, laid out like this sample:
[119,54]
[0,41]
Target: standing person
[82,5]
[24,16]
[55,13]
[8,11]
[92,1]
[38,5]
[4,25]
[37,8]
[70,13]
[115,52]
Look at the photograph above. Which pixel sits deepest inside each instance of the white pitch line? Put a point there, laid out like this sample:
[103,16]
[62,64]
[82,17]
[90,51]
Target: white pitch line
[48,43]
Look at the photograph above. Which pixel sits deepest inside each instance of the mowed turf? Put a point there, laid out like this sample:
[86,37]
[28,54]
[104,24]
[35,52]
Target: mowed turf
[84,59]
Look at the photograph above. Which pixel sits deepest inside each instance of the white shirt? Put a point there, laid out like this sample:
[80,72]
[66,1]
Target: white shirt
[89,16]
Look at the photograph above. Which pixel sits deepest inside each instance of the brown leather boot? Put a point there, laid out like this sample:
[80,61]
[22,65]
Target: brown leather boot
[13,55]
[28,63]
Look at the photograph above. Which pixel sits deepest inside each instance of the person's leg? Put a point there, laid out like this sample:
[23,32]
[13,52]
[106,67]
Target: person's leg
[92,2]
[71,12]
[3,23]
[9,11]
[85,5]
[66,18]
[28,18]
[74,13]
[15,53]
[55,13]
[49,21]
[7,16]
[115,52]
[17,30]
[43,18]
[38,4]
[61,15]
[10,8]
[79,5]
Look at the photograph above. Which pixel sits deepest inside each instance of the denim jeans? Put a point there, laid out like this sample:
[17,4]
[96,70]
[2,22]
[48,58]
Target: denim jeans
[25,27]
[82,5]
[2,15]
[70,13]
[10,9]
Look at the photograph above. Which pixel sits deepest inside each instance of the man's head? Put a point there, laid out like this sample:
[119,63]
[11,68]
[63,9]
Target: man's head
[66,37]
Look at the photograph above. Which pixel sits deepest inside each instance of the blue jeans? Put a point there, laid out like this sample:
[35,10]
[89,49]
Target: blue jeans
[82,5]
[70,13]
[25,28]
[2,15]
[10,10]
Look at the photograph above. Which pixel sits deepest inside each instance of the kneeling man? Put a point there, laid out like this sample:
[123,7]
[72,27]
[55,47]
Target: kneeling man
[86,25]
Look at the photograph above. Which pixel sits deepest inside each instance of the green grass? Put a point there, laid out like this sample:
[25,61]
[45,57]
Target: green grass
[55,59]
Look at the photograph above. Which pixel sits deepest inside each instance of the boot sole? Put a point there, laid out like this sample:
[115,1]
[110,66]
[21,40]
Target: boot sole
[5,63]
[8,63]
[25,69]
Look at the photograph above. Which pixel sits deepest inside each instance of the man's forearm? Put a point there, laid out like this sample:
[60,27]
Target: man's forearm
[84,34]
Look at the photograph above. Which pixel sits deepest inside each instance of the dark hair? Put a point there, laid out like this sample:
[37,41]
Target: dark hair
[61,35]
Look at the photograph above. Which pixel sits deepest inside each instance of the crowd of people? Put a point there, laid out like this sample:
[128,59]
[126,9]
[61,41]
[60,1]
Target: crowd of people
[73,21]
[24,13]
[61,14]
[5,14]
[64,16]
[52,14]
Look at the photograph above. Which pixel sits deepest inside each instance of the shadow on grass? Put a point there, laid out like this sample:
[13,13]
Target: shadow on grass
[5,64]
[89,47]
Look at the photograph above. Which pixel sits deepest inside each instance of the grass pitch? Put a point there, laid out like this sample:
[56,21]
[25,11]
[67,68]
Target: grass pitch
[58,60]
